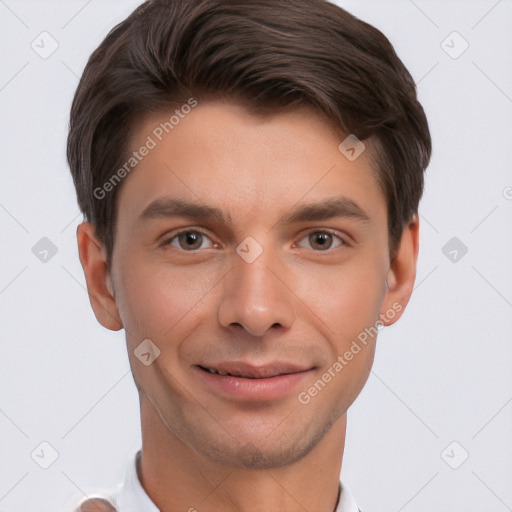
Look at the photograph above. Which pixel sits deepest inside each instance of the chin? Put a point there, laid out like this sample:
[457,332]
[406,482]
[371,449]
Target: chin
[264,452]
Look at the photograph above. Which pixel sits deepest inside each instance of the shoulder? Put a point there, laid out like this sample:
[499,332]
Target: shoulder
[96,504]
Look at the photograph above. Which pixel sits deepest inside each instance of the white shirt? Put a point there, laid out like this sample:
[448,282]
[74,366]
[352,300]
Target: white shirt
[131,496]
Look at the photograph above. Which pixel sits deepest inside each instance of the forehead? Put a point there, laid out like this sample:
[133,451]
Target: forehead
[219,154]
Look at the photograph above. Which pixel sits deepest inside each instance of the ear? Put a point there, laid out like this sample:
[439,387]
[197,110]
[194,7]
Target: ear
[401,274]
[99,285]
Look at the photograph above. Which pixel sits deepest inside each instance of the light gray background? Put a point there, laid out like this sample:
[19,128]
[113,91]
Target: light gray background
[442,374]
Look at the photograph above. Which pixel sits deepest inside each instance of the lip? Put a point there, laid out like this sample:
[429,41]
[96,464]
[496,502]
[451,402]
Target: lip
[243,369]
[253,383]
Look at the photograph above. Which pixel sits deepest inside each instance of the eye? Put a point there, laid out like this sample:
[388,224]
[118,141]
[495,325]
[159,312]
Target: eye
[322,240]
[190,240]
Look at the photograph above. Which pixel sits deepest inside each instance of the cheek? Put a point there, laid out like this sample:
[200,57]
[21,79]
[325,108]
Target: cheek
[154,300]
[347,299]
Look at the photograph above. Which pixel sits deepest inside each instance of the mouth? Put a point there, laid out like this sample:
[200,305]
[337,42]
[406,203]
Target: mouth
[246,383]
[246,371]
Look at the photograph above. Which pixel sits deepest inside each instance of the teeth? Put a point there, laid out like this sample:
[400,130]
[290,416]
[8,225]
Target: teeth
[223,374]
[217,372]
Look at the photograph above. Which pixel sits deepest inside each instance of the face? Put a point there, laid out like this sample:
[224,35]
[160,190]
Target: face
[250,247]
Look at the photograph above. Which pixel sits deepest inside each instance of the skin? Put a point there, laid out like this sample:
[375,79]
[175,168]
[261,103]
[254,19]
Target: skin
[300,301]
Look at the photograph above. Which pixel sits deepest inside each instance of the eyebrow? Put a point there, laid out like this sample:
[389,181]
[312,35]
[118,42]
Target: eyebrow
[169,207]
[329,208]
[326,209]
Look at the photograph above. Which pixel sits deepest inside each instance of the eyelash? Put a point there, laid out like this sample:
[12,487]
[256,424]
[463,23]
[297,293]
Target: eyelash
[341,239]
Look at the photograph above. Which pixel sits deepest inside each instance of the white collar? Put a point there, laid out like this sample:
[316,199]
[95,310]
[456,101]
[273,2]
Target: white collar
[132,497]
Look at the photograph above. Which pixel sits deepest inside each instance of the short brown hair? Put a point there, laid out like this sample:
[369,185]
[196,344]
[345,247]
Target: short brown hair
[271,54]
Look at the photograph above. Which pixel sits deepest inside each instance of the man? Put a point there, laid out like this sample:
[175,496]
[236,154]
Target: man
[249,174]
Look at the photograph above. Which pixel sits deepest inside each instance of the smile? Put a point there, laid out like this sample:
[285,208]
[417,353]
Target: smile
[252,383]
[247,371]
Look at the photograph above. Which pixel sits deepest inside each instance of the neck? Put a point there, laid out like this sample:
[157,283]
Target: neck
[177,477]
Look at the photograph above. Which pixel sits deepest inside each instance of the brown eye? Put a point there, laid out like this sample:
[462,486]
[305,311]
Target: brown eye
[190,241]
[320,241]
[323,240]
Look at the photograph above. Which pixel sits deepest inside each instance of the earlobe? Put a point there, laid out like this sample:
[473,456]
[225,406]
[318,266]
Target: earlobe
[99,285]
[401,274]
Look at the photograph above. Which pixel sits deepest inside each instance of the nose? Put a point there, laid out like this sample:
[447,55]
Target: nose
[255,298]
